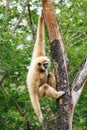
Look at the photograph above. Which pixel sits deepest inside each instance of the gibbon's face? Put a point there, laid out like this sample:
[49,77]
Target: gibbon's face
[42,63]
[43,66]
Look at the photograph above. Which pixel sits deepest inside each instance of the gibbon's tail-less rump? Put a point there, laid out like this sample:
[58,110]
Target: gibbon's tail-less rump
[40,83]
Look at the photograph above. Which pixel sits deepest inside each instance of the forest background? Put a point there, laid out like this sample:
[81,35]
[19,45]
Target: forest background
[18,25]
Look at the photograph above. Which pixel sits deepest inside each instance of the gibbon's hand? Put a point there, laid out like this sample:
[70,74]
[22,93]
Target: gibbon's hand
[43,124]
[42,120]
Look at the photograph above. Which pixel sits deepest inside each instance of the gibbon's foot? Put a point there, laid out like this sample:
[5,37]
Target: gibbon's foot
[60,93]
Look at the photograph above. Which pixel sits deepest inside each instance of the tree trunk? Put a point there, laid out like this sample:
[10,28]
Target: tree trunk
[65,105]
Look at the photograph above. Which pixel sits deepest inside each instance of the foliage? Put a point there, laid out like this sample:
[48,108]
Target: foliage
[15,56]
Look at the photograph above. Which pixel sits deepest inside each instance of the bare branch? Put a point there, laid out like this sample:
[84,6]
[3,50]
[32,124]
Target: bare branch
[67,26]
[79,83]
[7,6]
[66,29]
[6,14]
[2,76]
[28,125]
[19,20]
[19,109]
[31,23]
[16,104]
[78,36]
[81,40]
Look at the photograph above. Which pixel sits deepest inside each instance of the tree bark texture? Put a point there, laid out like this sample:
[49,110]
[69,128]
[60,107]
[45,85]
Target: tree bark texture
[65,105]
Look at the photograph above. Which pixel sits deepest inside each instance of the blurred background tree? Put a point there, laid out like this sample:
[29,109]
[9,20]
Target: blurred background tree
[18,24]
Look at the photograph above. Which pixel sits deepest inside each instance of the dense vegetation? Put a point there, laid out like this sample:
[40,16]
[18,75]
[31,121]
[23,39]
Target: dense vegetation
[16,47]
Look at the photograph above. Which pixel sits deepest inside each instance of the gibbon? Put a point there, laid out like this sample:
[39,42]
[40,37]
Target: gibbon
[40,83]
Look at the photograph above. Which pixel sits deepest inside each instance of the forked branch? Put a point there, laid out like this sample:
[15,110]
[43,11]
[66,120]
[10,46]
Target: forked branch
[19,20]
[31,23]
[79,83]
[67,103]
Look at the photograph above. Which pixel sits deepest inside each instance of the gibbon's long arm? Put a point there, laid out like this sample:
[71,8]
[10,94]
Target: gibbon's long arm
[39,49]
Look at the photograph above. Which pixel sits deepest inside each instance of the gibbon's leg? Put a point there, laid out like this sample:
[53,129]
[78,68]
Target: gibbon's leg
[46,89]
[51,80]
[36,106]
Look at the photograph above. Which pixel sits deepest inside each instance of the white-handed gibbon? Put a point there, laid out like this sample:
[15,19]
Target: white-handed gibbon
[40,83]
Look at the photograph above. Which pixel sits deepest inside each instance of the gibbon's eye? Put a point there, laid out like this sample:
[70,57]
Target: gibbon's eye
[39,63]
[45,65]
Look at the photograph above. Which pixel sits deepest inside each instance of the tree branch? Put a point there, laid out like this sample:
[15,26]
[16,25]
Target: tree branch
[1,79]
[31,23]
[16,104]
[79,83]
[7,6]
[65,104]
[60,64]
[6,14]
[19,20]
[18,107]
[2,76]
[28,125]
